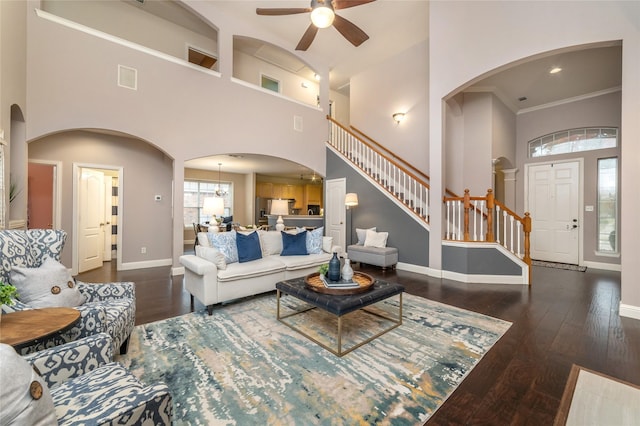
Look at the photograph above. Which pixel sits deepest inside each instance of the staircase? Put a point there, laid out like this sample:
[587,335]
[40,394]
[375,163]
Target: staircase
[468,219]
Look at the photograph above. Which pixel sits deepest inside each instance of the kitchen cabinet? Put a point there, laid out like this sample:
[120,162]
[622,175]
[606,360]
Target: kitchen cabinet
[314,194]
[264,190]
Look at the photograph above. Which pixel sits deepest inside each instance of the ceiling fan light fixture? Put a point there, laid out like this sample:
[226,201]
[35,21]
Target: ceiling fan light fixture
[322,15]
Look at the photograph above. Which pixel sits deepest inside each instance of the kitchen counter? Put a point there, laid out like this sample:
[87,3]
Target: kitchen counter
[301,220]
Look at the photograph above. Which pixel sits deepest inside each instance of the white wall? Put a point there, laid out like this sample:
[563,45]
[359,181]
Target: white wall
[396,85]
[131,22]
[184,111]
[250,69]
[469,39]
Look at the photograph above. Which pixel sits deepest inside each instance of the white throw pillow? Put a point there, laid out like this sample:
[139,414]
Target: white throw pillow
[24,394]
[50,285]
[271,242]
[213,255]
[362,234]
[376,239]
[327,244]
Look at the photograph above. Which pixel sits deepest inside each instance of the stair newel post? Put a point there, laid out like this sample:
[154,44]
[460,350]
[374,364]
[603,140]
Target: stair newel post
[490,207]
[467,207]
[527,241]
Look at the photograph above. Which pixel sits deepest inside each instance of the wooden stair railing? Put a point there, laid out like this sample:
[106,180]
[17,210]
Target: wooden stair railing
[403,184]
[475,219]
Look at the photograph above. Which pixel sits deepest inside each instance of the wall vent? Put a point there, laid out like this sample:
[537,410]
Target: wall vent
[127,77]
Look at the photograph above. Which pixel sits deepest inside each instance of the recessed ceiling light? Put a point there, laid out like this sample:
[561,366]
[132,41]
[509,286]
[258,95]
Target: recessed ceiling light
[555,70]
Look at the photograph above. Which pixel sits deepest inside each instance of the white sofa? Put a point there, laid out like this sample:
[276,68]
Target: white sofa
[210,284]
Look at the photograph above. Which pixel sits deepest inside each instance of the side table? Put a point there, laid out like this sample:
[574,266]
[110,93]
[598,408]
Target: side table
[23,328]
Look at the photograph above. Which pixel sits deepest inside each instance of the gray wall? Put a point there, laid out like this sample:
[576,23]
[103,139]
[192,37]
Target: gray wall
[478,261]
[146,172]
[375,209]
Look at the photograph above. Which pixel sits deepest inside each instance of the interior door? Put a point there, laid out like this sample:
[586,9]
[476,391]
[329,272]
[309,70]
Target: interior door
[90,220]
[106,229]
[41,187]
[334,211]
[553,201]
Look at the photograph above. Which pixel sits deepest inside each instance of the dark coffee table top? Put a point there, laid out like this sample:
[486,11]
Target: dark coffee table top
[339,304]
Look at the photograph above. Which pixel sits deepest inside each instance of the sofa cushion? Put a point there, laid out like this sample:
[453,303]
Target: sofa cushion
[293,263]
[49,285]
[248,247]
[271,242]
[226,243]
[256,268]
[213,255]
[314,240]
[294,245]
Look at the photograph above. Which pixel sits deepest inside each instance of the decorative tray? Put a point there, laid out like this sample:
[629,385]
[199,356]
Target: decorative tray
[364,281]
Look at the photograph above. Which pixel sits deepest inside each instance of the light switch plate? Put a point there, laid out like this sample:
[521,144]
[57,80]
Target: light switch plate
[588,208]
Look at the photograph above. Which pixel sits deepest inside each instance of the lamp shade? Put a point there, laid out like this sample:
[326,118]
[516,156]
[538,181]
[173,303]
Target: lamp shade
[280,207]
[351,199]
[213,206]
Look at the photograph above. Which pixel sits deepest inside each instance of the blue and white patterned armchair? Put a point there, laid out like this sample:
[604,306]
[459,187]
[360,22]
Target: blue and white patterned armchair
[109,307]
[79,385]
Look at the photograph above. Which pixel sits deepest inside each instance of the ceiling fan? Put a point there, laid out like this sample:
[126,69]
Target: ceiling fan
[323,16]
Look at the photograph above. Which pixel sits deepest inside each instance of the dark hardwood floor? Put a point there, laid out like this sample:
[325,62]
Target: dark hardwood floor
[563,318]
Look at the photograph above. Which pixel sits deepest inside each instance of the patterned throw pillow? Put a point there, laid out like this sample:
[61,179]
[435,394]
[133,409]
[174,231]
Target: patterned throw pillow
[314,240]
[225,242]
[49,285]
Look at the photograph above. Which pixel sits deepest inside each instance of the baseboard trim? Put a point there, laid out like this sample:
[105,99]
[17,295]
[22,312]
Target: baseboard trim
[485,279]
[603,266]
[179,270]
[146,264]
[629,311]
[424,270]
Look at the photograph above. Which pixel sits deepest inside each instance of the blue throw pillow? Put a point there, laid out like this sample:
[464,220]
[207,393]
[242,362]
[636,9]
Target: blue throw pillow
[248,247]
[293,245]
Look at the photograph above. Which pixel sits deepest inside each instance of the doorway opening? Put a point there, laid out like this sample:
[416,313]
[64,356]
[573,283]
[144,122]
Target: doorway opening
[97,201]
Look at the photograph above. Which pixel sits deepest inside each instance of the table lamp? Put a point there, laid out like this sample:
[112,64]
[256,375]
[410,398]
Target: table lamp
[213,206]
[280,207]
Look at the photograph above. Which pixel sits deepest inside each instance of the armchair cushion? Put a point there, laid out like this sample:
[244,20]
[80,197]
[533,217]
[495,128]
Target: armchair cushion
[49,285]
[61,363]
[24,394]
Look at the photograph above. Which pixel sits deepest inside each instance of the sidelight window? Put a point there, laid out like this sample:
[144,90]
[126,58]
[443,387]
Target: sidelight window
[608,205]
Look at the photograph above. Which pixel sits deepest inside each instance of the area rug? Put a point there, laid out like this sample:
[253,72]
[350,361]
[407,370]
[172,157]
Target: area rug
[241,366]
[558,265]
[592,398]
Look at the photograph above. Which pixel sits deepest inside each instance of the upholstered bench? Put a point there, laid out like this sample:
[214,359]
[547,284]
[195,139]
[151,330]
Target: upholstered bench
[379,256]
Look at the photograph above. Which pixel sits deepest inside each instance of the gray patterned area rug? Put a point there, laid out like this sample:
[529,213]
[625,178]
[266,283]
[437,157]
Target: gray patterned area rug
[241,366]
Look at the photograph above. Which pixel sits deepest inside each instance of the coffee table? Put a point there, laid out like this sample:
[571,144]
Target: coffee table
[339,305]
[24,328]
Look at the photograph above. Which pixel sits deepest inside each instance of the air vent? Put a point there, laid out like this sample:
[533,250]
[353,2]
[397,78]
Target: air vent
[127,77]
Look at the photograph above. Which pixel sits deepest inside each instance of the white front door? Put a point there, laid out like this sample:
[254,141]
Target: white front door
[553,199]
[90,220]
[334,211]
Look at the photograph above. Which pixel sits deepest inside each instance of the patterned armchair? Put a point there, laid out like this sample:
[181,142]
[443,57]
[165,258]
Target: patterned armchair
[78,384]
[109,307]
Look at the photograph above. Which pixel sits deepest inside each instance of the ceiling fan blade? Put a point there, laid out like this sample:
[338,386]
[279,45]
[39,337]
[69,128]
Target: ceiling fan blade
[307,37]
[282,11]
[344,4]
[350,31]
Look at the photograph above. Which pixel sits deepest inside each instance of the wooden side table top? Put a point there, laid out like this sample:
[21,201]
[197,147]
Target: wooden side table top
[24,327]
